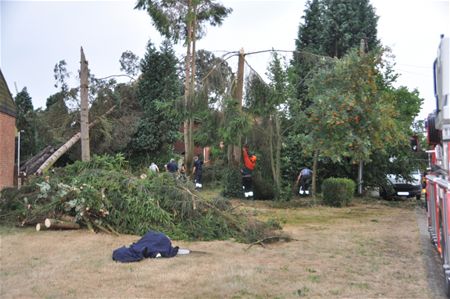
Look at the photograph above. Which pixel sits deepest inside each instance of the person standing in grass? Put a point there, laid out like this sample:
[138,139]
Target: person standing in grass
[246,171]
[154,168]
[304,177]
[197,171]
[172,166]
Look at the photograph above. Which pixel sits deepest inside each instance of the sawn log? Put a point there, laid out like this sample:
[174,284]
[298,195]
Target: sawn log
[59,224]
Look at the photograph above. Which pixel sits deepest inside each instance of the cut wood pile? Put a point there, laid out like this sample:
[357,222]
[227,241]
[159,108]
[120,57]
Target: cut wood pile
[102,195]
[32,165]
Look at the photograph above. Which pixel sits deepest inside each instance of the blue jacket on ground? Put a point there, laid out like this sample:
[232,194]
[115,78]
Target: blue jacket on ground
[148,246]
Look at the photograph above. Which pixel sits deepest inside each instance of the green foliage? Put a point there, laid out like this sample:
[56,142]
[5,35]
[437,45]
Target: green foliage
[213,175]
[345,24]
[158,90]
[102,195]
[330,28]
[351,116]
[338,192]
[26,122]
[171,17]
[232,182]
[236,123]
[263,187]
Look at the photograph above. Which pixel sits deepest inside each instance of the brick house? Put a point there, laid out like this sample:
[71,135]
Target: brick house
[7,135]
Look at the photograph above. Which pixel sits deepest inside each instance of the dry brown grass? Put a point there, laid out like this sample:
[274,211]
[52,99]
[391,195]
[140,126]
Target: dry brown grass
[369,250]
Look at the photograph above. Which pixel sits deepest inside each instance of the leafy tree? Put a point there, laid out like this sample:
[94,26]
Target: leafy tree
[157,91]
[214,80]
[268,103]
[185,20]
[26,123]
[129,63]
[351,116]
[61,75]
[399,158]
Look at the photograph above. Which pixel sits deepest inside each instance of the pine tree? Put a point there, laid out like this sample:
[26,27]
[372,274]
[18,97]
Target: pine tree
[331,28]
[158,91]
[345,24]
[26,123]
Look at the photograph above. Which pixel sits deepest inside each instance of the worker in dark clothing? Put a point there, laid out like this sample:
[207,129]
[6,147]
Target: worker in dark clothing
[197,171]
[172,166]
[304,177]
[247,170]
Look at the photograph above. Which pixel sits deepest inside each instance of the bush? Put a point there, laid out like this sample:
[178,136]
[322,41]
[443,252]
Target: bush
[337,192]
[263,188]
[232,182]
[213,174]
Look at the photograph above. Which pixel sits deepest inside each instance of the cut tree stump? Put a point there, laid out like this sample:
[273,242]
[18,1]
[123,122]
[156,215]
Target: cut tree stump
[59,224]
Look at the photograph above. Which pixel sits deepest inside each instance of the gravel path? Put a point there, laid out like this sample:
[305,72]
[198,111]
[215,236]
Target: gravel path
[431,259]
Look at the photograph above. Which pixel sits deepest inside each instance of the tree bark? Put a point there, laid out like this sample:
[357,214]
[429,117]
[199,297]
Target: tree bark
[238,96]
[314,176]
[33,163]
[66,146]
[188,149]
[84,111]
[277,151]
[59,224]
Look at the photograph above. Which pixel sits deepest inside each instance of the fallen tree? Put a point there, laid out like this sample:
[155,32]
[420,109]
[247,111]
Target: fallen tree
[33,164]
[66,146]
[103,196]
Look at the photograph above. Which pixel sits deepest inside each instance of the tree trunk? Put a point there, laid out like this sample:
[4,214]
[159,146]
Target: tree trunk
[187,126]
[66,146]
[272,154]
[238,96]
[30,166]
[277,151]
[314,176]
[59,224]
[360,178]
[84,112]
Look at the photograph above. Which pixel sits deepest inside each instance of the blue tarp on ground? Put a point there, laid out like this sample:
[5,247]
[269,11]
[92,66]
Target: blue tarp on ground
[148,246]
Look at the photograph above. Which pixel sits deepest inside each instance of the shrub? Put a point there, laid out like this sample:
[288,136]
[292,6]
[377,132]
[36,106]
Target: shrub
[232,182]
[337,192]
[213,174]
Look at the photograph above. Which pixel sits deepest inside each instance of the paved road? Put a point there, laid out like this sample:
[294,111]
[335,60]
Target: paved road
[432,260]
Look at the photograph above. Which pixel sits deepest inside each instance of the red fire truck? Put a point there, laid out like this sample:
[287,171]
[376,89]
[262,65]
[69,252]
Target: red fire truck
[438,178]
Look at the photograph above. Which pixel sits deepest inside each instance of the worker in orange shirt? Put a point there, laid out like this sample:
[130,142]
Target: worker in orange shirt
[247,170]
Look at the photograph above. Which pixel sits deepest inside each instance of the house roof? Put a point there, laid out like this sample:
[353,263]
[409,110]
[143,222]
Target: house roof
[7,104]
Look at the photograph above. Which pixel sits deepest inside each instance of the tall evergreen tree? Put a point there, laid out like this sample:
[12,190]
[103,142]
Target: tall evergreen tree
[26,123]
[185,20]
[346,22]
[158,90]
[331,28]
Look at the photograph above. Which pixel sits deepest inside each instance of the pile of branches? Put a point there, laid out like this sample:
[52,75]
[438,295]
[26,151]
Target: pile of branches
[103,195]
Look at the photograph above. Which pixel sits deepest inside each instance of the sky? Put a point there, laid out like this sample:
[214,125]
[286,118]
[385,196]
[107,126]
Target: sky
[35,35]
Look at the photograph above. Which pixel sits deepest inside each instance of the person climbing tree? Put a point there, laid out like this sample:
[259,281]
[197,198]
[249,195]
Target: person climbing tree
[247,170]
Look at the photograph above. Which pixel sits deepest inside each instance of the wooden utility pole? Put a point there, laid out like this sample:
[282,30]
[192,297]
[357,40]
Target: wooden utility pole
[84,115]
